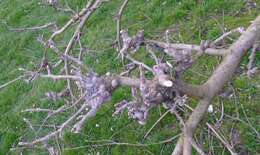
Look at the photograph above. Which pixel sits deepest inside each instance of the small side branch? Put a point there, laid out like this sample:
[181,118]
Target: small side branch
[250,69]
[58,77]
[225,143]
[78,126]
[148,132]
[37,110]
[118,24]
[11,82]
[171,48]
[72,20]
[139,63]
[240,30]
[36,28]
[54,133]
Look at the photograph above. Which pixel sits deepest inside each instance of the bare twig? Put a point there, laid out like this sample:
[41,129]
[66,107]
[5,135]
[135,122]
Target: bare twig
[78,126]
[148,132]
[223,140]
[35,28]
[54,133]
[118,24]
[37,110]
[250,69]
[80,26]
[222,37]
[153,55]
[60,110]
[11,82]
[225,143]
[249,123]
[57,77]
[139,63]
[172,48]
[72,20]
[29,123]
[110,142]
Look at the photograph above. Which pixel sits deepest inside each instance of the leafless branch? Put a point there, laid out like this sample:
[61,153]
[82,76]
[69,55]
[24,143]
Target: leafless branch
[186,135]
[139,63]
[148,132]
[225,143]
[171,49]
[93,90]
[72,20]
[11,82]
[250,69]
[35,28]
[240,30]
[118,23]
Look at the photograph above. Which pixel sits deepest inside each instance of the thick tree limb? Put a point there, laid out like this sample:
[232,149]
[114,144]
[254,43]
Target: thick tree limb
[220,77]
[190,90]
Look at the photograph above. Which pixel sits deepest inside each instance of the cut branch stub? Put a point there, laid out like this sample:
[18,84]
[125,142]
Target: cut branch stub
[152,93]
[160,71]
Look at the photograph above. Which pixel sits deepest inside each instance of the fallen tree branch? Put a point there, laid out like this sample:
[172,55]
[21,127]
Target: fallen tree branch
[219,78]
[94,90]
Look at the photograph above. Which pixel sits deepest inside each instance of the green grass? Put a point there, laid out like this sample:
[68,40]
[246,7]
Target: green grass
[191,21]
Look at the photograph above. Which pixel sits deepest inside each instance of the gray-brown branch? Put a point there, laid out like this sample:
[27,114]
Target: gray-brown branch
[216,82]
